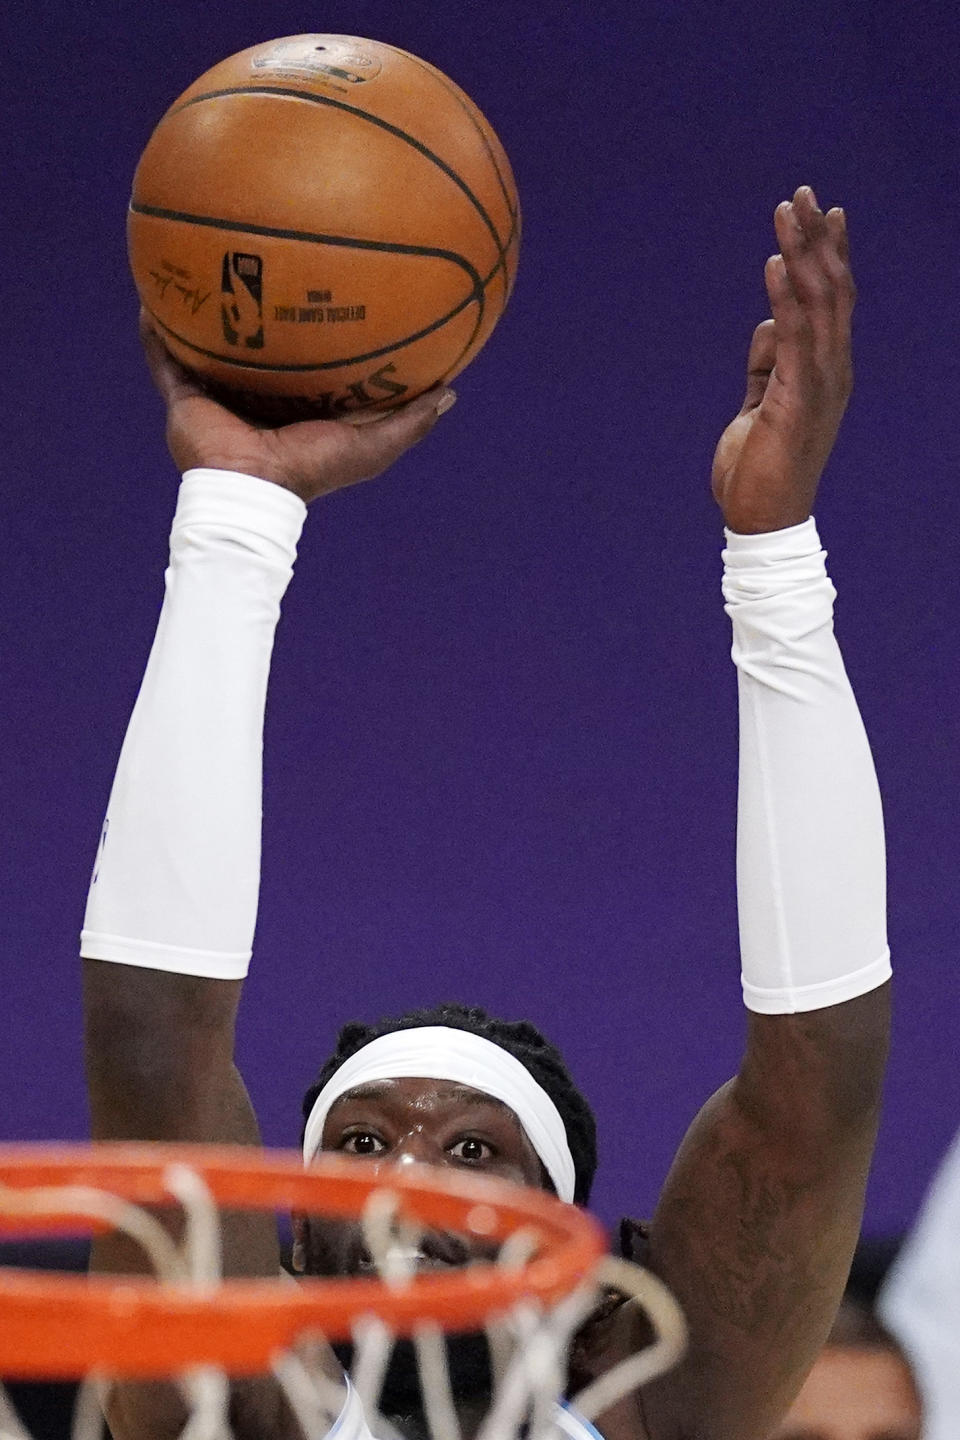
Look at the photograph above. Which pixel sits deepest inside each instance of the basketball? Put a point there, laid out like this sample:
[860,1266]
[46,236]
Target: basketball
[323,225]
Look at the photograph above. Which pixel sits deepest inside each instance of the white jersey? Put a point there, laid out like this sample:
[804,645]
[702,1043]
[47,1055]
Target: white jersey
[920,1301]
[351,1423]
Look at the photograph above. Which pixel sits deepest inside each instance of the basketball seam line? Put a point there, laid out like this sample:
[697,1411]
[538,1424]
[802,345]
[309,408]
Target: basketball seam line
[272,232]
[514,213]
[361,115]
[454,91]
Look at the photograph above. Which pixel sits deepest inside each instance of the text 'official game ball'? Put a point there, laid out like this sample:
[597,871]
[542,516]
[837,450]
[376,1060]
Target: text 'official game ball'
[321,225]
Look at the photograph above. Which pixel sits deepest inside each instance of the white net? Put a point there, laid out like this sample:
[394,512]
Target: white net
[528,1345]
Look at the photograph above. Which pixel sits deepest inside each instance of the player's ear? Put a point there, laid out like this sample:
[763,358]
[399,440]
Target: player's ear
[299,1257]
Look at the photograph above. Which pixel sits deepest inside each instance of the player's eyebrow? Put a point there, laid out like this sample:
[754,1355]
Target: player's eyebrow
[370,1090]
[466,1095]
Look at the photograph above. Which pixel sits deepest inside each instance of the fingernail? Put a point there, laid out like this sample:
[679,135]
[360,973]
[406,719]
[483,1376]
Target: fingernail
[810,194]
[446,402]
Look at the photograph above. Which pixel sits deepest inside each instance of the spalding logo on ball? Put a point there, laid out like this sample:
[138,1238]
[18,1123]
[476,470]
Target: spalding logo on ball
[323,225]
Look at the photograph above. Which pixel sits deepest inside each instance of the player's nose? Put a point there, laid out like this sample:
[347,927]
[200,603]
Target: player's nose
[415,1148]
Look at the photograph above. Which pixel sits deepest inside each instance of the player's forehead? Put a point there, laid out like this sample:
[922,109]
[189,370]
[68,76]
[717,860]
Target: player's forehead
[422,1093]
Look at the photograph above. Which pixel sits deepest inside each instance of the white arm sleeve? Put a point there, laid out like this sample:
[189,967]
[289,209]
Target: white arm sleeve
[811,883]
[176,880]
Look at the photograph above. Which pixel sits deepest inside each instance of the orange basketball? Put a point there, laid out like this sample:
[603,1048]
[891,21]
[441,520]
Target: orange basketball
[322,225]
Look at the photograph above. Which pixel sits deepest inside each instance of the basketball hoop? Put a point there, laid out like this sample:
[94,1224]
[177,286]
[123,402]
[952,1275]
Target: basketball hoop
[188,1324]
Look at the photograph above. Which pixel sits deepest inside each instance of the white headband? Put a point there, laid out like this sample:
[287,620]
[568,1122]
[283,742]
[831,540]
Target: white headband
[438,1052]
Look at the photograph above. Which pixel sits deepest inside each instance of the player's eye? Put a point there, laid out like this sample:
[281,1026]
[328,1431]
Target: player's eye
[361,1142]
[471,1150]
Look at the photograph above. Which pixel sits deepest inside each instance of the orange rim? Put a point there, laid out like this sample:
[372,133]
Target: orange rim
[58,1326]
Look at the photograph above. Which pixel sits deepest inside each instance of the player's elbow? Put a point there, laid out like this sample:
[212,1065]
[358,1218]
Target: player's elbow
[824,1068]
[151,1034]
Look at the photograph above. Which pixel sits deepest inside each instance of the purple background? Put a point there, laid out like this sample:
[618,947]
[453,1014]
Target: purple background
[501,739]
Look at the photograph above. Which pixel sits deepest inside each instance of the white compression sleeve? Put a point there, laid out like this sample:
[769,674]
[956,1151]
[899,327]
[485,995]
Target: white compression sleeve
[176,880]
[811,881]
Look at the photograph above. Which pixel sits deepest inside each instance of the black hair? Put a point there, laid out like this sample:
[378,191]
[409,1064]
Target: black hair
[520,1039]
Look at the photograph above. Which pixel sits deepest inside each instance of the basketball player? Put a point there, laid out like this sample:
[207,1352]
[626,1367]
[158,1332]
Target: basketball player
[761,1209]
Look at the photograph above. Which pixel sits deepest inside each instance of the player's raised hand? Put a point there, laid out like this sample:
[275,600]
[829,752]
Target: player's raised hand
[770,457]
[310,457]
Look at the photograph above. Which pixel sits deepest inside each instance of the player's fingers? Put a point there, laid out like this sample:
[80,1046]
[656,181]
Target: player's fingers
[760,362]
[785,306]
[808,214]
[793,330]
[826,237]
[763,348]
[797,246]
[801,230]
[410,422]
[818,267]
[814,321]
[171,379]
[836,222]
[779,288]
[828,304]
[377,445]
[813,338]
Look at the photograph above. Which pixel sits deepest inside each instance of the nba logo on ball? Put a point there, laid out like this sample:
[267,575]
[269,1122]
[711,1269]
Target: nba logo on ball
[241,307]
[352,209]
